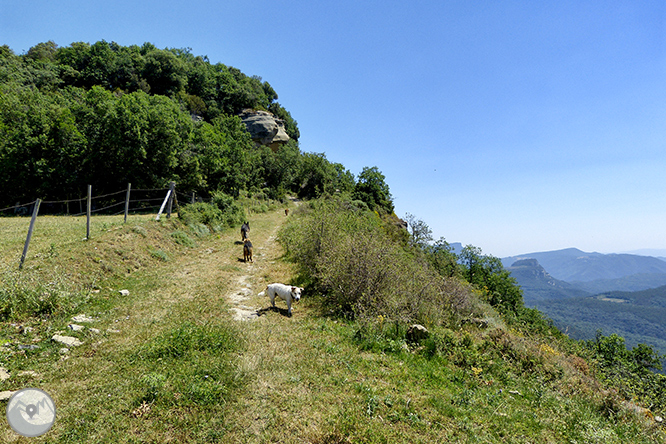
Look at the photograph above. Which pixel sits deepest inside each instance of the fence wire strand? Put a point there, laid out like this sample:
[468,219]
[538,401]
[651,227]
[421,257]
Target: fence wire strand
[122,202]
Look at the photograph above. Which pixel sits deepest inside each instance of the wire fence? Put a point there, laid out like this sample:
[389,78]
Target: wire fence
[124,201]
[141,201]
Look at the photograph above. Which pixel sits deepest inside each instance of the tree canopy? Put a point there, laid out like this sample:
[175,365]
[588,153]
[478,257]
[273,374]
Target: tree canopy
[104,114]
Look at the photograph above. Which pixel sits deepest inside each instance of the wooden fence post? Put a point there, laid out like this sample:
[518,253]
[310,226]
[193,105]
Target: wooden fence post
[35,210]
[127,199]
[88,212]
[166,199]
[193,194]
[172,189]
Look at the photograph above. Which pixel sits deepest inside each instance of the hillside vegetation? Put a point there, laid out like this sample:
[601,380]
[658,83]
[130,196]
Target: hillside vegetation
[105,115]
[169,364]
[193,351]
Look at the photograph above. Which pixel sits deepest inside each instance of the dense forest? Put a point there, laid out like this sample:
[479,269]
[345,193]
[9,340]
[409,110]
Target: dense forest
[103,114]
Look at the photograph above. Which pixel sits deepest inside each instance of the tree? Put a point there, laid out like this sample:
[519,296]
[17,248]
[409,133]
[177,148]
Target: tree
[372,189]
[164,72]
[488,274]
[421,234]
[443,259]
[316,176]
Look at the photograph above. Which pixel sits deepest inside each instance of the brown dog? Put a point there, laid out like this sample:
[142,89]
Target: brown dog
[247,250]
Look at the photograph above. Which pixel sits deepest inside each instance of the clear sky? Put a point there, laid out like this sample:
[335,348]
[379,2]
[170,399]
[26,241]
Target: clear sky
[514,126]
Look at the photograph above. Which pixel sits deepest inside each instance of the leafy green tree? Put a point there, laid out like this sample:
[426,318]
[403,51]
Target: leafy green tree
[164,72]
[443,259]
[488,274]
[42,51]
[315,176]
[372,189]
[281,168]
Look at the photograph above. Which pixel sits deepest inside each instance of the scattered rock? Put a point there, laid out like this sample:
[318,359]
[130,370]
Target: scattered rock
[124,293]
[515,392]
[28,347]
[94,330]
[29,373]
[82,318]
[244,313]
[658,419]
[4,374]
[4,396]
[111,330]
[480,323]
[76,327]
[67,340]
[417,333]
[63,351]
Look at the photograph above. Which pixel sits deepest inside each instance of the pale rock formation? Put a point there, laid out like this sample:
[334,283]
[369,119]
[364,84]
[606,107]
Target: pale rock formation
[265,128]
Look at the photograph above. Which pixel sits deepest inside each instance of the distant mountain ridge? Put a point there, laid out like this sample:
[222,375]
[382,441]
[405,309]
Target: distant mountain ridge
[574,265]
[539,285]
[588,292]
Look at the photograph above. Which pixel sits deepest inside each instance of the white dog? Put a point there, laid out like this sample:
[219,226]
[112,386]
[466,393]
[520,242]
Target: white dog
[287,293]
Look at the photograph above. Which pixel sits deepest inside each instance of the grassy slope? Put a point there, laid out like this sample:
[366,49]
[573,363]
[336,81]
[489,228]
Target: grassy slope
[181,370]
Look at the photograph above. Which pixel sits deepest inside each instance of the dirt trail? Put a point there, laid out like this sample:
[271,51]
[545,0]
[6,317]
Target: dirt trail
[246,284]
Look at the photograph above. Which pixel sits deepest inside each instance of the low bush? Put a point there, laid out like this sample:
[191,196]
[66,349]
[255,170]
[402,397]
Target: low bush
[182,238]
[223,211]
[352,262]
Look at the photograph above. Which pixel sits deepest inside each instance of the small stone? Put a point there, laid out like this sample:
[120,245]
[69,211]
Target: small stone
[82,318]
[29,373]
[658,419]
[4,374]
[94,330]
[4,396]
[67,340]
[124,292]
[63,351]
[417,333]
[28,347]
[76,327]
[111,330]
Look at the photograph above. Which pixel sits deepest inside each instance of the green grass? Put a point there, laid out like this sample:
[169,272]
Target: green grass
[170,365]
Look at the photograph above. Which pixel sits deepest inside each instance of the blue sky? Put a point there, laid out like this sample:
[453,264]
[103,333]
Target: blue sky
[514,126]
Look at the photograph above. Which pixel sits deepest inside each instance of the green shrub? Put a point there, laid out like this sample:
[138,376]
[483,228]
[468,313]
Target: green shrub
[352,262]
[158,254]
[201,212]
[180,237]
[200,230]
[221,212]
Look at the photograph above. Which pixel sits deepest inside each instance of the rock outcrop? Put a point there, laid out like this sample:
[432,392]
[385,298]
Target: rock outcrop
[265,128]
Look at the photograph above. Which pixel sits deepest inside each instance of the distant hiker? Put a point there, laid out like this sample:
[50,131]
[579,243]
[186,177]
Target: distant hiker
[286,211]
[245,228]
